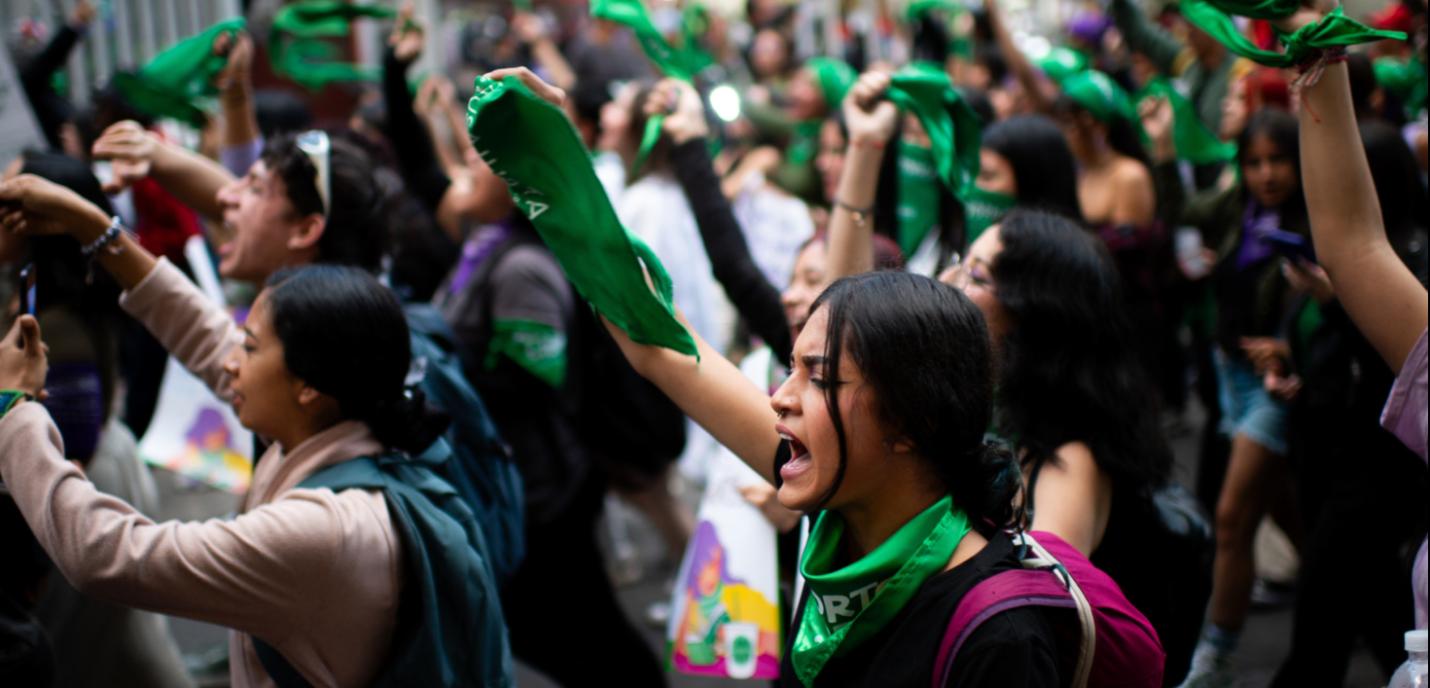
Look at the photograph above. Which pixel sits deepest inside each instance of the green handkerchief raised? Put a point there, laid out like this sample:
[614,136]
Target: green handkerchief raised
[529,143]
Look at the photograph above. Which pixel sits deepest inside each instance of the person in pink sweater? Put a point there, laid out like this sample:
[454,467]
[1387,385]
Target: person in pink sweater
[318,369]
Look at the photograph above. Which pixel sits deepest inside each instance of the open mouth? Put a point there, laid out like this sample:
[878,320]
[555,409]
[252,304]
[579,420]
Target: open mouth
[798,454]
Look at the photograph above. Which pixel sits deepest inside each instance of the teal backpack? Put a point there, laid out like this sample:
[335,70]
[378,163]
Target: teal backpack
[481,468]
[450,630]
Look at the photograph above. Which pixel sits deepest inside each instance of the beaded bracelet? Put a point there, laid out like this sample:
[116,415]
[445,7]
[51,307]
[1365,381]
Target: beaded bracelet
[116,227]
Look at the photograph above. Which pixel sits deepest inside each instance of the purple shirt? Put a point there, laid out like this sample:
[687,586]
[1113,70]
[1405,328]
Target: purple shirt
[1405,417]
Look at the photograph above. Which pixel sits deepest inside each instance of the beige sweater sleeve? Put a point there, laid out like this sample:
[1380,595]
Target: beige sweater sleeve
[195,330]
[263,572]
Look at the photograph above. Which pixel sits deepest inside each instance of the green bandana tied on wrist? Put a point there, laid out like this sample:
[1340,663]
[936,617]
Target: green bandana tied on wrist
[178,79]
[983,209]
[681,63]
[298,49]
[848,605]
[1333,30]
[1195,143]
[953,128]
[531,145]
[919,188]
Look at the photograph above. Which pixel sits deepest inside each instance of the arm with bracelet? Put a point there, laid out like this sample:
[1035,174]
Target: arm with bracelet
[871,120]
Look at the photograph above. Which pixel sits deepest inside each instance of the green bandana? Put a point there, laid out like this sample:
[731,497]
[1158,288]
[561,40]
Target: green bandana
[961,44]
[298,49]
[804,143]
[178,79]
[1061,63]
[1195,143]
[1100,96]
[918,195]
[530,144]
[834,77]
[983,209]
[681,63]
[1404,78]
[1333,30]
[953,128]
[649,138]
[848,605]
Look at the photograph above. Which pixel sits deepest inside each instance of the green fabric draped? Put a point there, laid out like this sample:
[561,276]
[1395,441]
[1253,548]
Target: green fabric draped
[1406,79]
[177,81]
[1195,143]
[1333,30]
[1062,62]
[531,145]
[299,51]
[849,603]
[954,131]
[1102,97]
[681,63]
[919,187]
[834,77]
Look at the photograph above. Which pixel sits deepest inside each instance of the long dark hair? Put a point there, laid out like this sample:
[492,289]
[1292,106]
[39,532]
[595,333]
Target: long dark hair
[345,334]
[1042,163]
[356,228]
[952,226]
[923,348]
[1404,205]
[1069,369]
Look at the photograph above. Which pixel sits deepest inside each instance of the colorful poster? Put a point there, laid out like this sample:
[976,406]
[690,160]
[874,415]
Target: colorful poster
[195,433]
[725,615]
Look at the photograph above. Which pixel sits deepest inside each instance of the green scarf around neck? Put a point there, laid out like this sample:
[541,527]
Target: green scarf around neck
[531,145]
[1195,143]
[177,81]
[1333,30]
[681,63]
[848,604]
[297,48]
[954,131]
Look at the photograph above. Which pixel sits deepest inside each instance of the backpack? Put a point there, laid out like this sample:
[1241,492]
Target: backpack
[450,630]
[627,424]
[481,469]
[1117,645]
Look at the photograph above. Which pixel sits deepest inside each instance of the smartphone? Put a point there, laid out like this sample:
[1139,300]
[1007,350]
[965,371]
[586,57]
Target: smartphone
[27,289]
[1290,245]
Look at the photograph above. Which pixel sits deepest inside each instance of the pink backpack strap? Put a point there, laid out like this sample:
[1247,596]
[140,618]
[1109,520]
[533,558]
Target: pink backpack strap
[993,595]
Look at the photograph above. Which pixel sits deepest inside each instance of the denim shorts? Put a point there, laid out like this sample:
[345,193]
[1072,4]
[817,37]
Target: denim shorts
[1246,407]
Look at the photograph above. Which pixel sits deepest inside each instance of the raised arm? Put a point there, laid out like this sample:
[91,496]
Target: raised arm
[757,301]
[416,157]
[1381,295]
[37,74]
[871,120]
[1040,92]
[240,139]
[533,31]
[138,153]
[195,330]
[714,393]
[1145,37]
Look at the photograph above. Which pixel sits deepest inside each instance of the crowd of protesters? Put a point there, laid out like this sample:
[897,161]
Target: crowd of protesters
[948,286]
